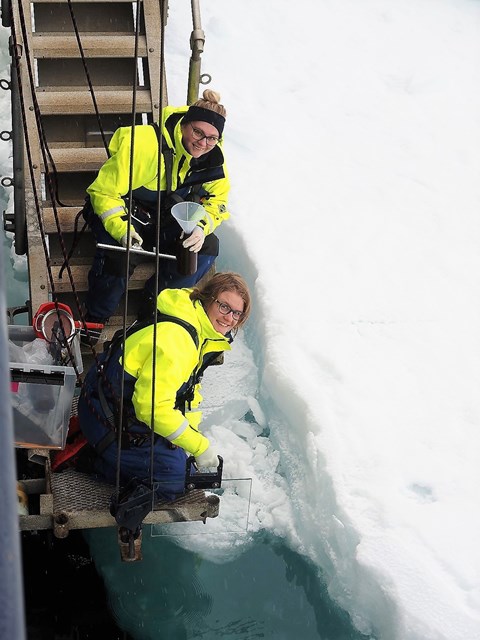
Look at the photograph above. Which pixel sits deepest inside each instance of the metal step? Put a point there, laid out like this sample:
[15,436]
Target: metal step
[102,45]
[74,100]
[78,501]
[80,272]
[66,218]
[82,1]
[78,159]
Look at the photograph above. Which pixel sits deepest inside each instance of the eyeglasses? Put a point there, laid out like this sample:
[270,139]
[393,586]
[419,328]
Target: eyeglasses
[198,134]
[225,309]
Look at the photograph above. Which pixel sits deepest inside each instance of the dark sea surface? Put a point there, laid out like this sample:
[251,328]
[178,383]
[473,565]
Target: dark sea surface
[79,588]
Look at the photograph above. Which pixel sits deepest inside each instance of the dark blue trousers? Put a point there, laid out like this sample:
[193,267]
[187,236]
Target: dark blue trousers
[169,464]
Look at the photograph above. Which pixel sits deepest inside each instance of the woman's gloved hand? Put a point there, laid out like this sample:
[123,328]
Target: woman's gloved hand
[195,240]
[135,239]
[208,458]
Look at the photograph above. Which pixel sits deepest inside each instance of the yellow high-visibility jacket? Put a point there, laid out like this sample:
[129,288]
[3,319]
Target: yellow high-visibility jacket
[177,358]
[112,182]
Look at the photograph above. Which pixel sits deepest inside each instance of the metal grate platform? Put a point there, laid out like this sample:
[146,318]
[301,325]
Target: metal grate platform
[78,501]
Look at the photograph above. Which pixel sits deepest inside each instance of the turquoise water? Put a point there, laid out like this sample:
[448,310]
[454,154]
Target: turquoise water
[17,287]
[172,594]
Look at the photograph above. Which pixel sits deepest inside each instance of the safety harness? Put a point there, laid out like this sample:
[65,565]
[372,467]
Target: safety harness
[184,396]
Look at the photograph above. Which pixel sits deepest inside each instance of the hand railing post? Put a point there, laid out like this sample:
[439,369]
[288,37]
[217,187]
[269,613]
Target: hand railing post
[197,40]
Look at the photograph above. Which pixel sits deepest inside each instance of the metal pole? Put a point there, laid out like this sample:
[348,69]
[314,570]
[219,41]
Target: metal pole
[12,618]
[197,40]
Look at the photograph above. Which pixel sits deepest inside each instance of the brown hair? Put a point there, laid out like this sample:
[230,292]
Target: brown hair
[211,100]
[227,281]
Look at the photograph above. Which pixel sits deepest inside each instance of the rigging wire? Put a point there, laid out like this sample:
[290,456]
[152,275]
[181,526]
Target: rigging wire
[87,75]
[139,4]
[158,220]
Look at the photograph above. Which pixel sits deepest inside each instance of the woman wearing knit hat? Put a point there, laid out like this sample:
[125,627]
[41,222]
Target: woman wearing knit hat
[192,168]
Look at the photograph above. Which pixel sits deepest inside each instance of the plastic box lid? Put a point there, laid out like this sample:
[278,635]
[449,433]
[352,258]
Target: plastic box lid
[21,335]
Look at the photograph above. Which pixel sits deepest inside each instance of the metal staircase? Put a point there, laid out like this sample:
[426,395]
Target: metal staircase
[61,99]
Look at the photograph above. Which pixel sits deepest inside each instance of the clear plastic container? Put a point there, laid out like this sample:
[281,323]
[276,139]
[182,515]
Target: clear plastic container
[41,396]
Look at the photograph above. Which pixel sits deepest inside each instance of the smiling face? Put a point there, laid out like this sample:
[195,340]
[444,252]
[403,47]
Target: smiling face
[199,138]
[224,322]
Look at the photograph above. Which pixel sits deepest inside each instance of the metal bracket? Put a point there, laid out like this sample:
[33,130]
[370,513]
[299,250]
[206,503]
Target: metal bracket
[197,40]
[130,545]
[15,311]
[61,527]
[208,480]
[15,48]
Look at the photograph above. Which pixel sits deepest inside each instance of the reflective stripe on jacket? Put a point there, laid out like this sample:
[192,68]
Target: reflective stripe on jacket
[112,181]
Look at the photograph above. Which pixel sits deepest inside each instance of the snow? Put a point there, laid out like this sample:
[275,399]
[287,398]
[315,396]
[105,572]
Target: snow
[352,138]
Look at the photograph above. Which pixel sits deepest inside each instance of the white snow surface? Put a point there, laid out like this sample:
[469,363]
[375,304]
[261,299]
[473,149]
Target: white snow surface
[353,144]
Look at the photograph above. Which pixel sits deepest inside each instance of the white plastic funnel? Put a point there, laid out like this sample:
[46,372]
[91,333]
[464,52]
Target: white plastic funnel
[187,214]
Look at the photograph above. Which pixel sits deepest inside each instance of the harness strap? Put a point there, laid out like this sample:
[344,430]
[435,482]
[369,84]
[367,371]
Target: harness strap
[111,436]
[164,317]
[127,438]
[188,394]
[167,154]
[109,414]
[136,326]
[105,442]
